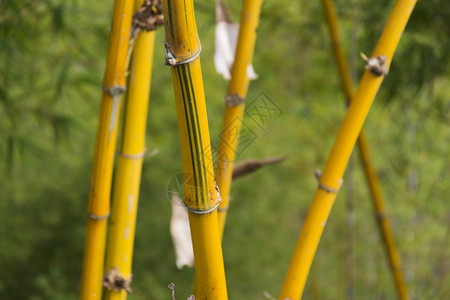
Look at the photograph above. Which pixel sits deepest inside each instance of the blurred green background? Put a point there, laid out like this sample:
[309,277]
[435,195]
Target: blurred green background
[52,59]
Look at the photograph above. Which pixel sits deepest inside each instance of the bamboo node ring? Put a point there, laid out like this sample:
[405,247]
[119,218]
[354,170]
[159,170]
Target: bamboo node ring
[133,156]
[114,90]
[377,65]
[233,100]
[324,187]
[114,281]
[202,212]
[97,217]
[171,59]
[381,216]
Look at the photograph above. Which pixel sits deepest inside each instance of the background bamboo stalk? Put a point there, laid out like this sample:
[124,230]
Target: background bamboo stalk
[371,176]
[201,197]
[382,220]
[350,234]
[99,197]
[129,165]
[234,108]
[330,180]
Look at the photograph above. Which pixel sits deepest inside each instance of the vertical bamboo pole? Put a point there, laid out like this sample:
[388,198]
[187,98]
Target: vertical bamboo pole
[383,222]
[371,176]
[201,197]
[99,197]
[234,101]
[129,165]
[330,180]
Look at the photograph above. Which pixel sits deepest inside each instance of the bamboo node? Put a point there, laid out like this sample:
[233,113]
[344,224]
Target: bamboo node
[233,100]
[97,217]
[212,208]
[114,281]
[115,90]
[171,59]
[377,65]
[380,216]
[324,187]
[202,212]
[149,16]
[133,156]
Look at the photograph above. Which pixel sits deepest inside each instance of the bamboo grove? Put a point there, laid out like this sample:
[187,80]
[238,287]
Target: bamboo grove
[107,263]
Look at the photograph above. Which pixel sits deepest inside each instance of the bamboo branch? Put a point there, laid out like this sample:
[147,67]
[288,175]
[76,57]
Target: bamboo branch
[331,179]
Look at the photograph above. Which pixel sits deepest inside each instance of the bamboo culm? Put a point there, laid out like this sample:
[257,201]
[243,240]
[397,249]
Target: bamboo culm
[200,193]
[102,167]
[132,148]
[330,179]
[237,89]
[371,176]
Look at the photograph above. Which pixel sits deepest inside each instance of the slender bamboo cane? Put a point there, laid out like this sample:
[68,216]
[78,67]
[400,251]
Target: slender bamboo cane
[372,178]
[99,197]
[234,101]
[129,165]
[330,180]
[201,197]
[383,222]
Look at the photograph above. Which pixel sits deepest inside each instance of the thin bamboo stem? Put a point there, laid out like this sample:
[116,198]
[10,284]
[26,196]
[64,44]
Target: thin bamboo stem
[201,197]
[99,197]
[330,180]
[382,220]
[129,165]
[234,108]
[371,176]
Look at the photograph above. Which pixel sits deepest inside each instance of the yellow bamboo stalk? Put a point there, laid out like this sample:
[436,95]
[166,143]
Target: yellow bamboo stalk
[234,102]
[331,178]
[200,195]
[129,165]
[372,178]
[99,197]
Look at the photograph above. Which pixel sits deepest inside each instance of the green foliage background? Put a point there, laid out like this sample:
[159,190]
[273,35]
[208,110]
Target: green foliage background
[52,57]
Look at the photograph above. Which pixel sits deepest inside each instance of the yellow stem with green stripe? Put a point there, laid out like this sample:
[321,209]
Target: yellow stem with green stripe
[371,176]
[330,180]
[99,196]
[200,194]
